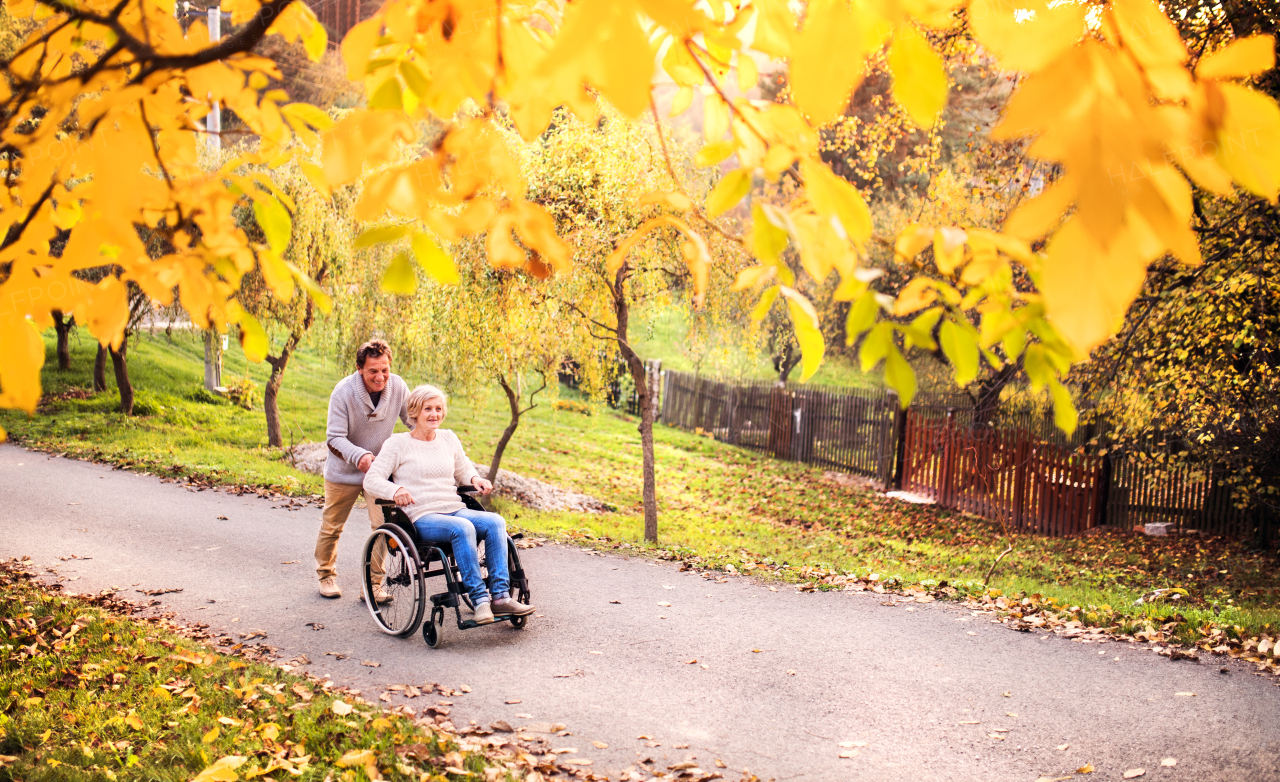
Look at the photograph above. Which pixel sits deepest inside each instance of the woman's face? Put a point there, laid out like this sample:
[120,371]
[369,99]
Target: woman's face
[431,415]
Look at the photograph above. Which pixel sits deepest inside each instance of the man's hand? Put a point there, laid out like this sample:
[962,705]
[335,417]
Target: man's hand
[366,462]
[481,485]
[402,497]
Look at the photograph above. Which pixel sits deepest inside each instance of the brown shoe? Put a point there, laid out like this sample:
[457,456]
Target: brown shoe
[509,606]
[329,587]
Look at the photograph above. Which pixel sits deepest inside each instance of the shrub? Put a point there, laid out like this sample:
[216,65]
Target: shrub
[243,392]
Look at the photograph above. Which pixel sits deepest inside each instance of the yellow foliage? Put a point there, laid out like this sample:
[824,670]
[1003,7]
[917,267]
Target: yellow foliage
[107,143]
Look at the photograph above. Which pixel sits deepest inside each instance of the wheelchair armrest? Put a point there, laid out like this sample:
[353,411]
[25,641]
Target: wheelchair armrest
[385,503]
[465,490]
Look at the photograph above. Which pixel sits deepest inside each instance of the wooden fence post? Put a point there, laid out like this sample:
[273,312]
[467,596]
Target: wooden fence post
[1103,492]
[1020,459]
[946,485]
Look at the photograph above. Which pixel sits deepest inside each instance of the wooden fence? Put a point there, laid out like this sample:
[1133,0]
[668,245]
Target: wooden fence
[1002,474]
[1012,472]
[850,429]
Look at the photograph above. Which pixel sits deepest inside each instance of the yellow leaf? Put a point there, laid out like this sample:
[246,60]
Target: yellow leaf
[1037,217]
[753,276]
[363,758]
[433,260]
[358,44]
[1028,34]
[133,721]
[899,376]
[826,62]
[714,153]
[678,201]
[1087,768]
[681,102]
[715,118]
[275,272]
[948,248]
[380,234]
[748,75]
[919,78]
[21,356]
[918,294]
[761,310]
[834,197]
[911,241]
[222,770]
[269,732]
[399,278]
[804,319]
[1249,140]
[212,735]
[341,708]
[732,188]
[1065,416]
[161,693]
[767,240]
[1239,59]
[681,66]
[775,27]
[1088,289]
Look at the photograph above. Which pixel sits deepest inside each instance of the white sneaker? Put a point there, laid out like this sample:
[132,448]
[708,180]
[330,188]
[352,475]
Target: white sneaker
[329,587]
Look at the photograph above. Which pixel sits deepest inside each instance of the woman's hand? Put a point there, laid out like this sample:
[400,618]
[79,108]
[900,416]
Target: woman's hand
[481,485]
[403,497]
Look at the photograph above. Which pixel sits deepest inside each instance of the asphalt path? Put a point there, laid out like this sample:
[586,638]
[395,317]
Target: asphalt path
[781,677]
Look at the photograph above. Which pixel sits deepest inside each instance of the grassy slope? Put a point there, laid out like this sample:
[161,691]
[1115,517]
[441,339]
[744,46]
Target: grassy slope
[725,504]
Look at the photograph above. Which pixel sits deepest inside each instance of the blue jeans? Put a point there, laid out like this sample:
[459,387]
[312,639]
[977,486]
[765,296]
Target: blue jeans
[461,529]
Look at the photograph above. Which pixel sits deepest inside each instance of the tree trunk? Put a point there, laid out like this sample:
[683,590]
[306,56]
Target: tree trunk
[100,370]
[650,494]
[987,404]
[513,403]
[120,363]
[786,362]
[63,327]
[271,393]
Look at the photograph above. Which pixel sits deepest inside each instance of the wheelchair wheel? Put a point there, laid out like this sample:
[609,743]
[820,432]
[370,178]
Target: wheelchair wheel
[402,580]
[518,622]
[433,628]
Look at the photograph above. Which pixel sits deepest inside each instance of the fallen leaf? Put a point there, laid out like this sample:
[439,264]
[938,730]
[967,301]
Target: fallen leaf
[211,736]
[996,736]
[757,651]
[705,666]
[643,737]
[1063,747]
[1135,772]
[665,605]
[652,744]
[591,652]
[371,664]
[563,750]
[1010,714]
[600,745]
[222,518]
[1185,694]
[851,744]
[1169,762]
[514,700]
[302,692]
[1007,694]
[1087,768]
[1001,730]
[1052,779]
[314,625]
[229,721]
[849,753]
[616,602]
[341,709]
[791,673]
[720,763]
[688,764]
[222,770]
[576,762]
[464,688]
[969,722]
[972,633]
[133,721]
[289,562]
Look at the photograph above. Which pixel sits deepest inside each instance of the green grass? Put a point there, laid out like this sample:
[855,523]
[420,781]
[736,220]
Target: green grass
[90,694]
[719,503]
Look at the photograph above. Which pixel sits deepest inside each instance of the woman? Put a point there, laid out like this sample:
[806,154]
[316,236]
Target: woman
[421,470]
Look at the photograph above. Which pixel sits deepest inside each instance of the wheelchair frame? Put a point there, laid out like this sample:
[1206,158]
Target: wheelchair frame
[412,559]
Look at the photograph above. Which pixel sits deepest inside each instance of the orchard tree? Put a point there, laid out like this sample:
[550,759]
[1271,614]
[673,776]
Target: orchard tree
[103,103]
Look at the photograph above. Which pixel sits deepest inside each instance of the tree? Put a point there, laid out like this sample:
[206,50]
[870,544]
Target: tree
[1111,98]
[319,244]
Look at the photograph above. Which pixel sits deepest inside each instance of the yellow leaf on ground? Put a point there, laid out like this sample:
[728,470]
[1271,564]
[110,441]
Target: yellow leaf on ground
[212,735]
[341,708]
[222,770]
[1087,768]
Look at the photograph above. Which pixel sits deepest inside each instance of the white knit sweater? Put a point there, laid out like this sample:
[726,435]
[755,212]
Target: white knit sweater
[431,470]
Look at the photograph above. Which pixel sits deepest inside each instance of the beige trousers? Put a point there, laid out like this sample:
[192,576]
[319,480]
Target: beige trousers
[339,499]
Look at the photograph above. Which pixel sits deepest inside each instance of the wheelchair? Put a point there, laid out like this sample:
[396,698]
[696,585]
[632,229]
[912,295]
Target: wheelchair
[408,564]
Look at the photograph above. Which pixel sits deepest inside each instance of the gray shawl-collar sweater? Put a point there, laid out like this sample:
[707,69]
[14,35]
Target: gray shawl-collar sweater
[356,427]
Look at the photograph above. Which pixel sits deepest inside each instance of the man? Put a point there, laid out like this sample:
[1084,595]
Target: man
[362,414]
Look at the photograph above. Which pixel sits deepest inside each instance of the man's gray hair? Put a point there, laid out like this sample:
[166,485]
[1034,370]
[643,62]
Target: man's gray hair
[419,396]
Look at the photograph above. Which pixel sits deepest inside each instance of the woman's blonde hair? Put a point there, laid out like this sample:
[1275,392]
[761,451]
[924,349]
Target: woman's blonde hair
[419,396]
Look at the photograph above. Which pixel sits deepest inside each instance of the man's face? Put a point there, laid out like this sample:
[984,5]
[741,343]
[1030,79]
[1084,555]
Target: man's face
[375,373]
